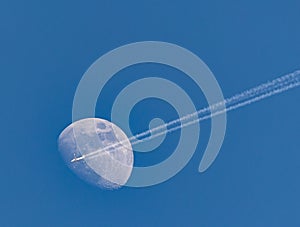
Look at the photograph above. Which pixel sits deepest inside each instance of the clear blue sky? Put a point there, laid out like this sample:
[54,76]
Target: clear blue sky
[46,46]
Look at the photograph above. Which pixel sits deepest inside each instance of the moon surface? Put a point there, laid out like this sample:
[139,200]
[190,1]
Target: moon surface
[92,142]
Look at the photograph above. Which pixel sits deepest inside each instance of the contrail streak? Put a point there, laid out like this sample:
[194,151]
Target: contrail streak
[245,98]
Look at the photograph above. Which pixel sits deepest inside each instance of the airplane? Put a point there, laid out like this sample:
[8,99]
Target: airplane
[75,159]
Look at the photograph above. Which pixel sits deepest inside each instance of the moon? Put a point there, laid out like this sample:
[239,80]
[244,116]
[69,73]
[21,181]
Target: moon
[98,151]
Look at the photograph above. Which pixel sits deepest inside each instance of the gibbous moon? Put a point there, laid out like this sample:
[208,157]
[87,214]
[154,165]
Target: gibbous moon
[98,151]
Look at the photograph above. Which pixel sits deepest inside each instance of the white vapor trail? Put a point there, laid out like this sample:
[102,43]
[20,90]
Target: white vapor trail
[245,98]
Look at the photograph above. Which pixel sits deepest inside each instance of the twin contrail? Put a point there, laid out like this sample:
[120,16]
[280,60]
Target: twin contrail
[245,98]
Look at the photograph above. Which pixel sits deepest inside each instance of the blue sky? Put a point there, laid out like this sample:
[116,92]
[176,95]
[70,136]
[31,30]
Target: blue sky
[47,46]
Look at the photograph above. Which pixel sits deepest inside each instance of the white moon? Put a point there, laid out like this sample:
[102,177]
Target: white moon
[83,145]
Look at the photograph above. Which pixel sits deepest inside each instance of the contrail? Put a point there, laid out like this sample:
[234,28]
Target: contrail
[245,98]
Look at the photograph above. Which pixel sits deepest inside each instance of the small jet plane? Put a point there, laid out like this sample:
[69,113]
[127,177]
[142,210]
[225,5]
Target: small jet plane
[75,159]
